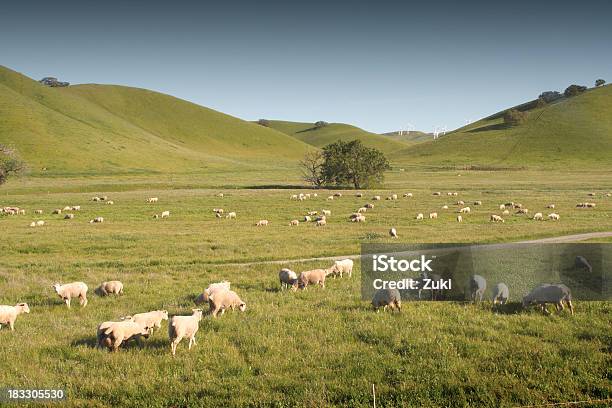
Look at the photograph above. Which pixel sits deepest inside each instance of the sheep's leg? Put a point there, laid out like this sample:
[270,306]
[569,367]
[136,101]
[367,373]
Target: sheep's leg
[83,301]
[560,306]
[175,343]
[67,301]
[399,306]
[116,344]
[323,284]
[571,307]
[12,325]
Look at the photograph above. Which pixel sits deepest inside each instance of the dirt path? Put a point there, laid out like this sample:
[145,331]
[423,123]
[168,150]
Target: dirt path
[560,239]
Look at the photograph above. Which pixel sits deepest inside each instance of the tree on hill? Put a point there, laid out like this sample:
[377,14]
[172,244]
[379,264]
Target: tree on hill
[10,163]
[264,122]
[311,165]
[353,163]
[550,96]
[600,82]
[514,117]
[320,124]
[574,90]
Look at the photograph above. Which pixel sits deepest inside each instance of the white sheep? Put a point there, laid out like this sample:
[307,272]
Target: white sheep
[506,212]
[393,233]
[33,224]
[465,210]
[331,197]
[551,206]
[72,290]
[362,210]
[460,202]
[288,279]
[220,195]
[477,286]
[496,218]
[151,200]
[152,319]
[445,207]
[338,195]
[165,214]
[231,215]
[522,211]
[312,277]
[307,218]
[419,216]
[312,213]
[95,199]
[547,293]
[459,218]
[57,211]
[554,217]
[69,216]
[38,212]
[110,202]
[8,314]
[327,213]
[262,223]
[359,195]
[293,197]
[500,294]
[376,198]
[113,287]
[384,298]
[478,202]
[407,195]
[67,208]
[119,333]
[97,220]
[538,216]
[369,206]
[212,288]
[358,218]
[502,206]
[221,300]
[341,267]
[321,223]
[294,223]
[433,215]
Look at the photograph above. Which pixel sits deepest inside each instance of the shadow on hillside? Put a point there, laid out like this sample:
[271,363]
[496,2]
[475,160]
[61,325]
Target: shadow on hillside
[307,130]
[508,308]
[498,126]
[89,342]
[293,187]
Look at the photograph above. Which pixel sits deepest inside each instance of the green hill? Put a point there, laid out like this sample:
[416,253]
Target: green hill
[88,129]
[572,133]
[411,137]
[319,137]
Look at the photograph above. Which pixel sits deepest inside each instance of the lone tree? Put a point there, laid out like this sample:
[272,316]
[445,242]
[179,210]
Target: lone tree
[311,165]
[320,124]
[514,117]
[10,163]
[600,82]
[574,90]
[353,163]
[264,122]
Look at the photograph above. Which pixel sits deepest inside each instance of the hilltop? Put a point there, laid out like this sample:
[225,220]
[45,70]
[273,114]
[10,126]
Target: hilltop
[572,132]
[321,136]
[93,129]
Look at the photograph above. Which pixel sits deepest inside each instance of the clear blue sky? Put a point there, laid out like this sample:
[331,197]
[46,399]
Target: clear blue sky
[377,64]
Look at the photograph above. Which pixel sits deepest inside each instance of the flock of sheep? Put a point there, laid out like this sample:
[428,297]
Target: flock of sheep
[219,296]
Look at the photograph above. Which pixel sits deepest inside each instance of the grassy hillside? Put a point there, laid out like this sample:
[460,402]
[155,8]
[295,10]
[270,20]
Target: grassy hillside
[100,129]
[573,133]
[413,137]
[320,137]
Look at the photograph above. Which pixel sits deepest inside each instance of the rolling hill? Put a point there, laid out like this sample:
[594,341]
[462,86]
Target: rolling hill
[319,137]
[92,129]
[571,133]
[412,137]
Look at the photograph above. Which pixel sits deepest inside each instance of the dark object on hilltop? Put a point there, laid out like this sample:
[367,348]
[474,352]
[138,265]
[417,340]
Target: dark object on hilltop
[320,124]
[264,122]
[514,117]
[574,90]
[53,82]
[600,82]
[550,96]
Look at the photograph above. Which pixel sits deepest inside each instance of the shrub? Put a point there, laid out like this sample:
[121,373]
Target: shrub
[514,117]
[574,90]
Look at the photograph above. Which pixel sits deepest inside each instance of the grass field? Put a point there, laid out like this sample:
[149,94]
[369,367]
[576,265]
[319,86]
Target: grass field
[312,348]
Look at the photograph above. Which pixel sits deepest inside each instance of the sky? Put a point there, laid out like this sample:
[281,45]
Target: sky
[380,65]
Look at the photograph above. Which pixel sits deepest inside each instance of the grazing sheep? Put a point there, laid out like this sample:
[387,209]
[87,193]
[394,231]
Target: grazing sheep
[362,210]
[460,202]
[449,193]
[315,195]
[358,218]
[459,218]
[506,212]
[288,279]
[97,220]
[554,217]
[496,218]
[500,294]
[69,216]
[294,223]
[419,216]
[231,215]
[165,214]
[433,215]
[180,327]
[359,195]
[38,212]
[330,198]
[510,204]
[518,205]
[341,267]
[212,288]
[307,218]
[437,193]
[67,208]
[221,300]
[393,233]
[369,206]
[327,213]
[477,285]
[376,198]
[262,223]
[455,193]
[538,216]
[387,298]
[72,290]
[40,223]
[152,319]
[407,195]
[32,224]
[465,210]
[57,211]
[502,206]
[114,287]
[445,207]
[551,206]
[156,216]
[307,195]
[8,314]
[338,195]
[103,198]
[102,327]
[394,196]
[218,210]
[321,223]
[321,217]
[547,293]
[293,197]
[522,211]
[312,277]
[110,202]
[119,333]
[477,202]
[220,195]
[592,194]
[312,213]
[95,199]
[151,200]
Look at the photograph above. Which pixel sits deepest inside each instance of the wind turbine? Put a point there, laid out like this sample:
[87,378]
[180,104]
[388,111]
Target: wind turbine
[409,127]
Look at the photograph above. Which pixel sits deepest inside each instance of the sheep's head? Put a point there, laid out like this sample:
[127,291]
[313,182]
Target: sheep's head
[242,306]
[56,287]
[164,314]
[526,301]
[146,331]
[127,318]
[197,313]
[24,307]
